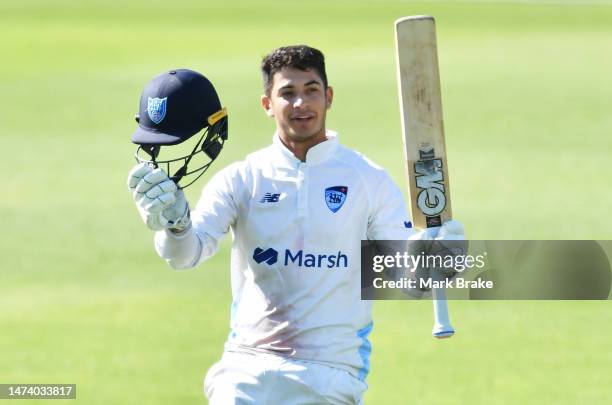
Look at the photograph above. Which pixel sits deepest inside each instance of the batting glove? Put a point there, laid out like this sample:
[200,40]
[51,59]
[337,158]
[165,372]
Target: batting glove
[160,203]
[451,230]
[448,239]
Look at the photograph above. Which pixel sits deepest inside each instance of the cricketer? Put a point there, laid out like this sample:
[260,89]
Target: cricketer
[297,211]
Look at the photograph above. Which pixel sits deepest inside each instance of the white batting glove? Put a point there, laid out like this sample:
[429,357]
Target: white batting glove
[160,203]
[425,234]
[451,230]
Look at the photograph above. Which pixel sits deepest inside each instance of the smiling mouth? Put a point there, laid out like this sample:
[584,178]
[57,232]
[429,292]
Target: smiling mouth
[302,118]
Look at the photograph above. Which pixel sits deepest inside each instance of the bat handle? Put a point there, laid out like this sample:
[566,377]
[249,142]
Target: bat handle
[442,327]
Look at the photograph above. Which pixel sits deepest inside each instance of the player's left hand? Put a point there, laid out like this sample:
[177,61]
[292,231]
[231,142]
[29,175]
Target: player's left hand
[450,230]
[448,239]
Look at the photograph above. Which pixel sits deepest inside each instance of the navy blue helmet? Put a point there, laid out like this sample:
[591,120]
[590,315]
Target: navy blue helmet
[175,106]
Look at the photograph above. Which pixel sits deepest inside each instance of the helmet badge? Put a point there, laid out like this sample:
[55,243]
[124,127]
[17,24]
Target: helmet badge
[156,108]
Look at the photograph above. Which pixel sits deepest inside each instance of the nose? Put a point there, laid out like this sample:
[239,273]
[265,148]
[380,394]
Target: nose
[298,102]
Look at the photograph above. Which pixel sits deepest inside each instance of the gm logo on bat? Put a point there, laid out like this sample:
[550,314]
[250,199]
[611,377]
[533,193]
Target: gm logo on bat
[300,258]
[431,200]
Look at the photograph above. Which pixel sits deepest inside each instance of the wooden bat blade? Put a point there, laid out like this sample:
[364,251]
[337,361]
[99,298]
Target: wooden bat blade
[418,80]
[422,121]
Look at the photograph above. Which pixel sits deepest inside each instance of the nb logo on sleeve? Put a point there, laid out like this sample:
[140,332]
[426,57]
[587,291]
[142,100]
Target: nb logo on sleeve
[270,198]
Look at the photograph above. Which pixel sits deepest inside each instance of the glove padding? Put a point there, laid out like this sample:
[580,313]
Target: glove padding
[447,240]
[451,230]
[160,203]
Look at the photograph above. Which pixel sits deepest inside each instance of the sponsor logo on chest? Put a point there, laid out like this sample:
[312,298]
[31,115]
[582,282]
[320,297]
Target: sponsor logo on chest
[300,258]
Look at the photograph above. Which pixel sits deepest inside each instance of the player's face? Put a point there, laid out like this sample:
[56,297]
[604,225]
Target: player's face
[298,101]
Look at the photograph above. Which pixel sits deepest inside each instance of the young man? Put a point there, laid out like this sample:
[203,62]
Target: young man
[298,211]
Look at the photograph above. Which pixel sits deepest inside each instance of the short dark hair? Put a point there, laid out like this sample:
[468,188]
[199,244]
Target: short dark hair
[300,57]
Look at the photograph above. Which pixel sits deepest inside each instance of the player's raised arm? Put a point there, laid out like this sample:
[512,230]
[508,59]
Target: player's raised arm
[174,107]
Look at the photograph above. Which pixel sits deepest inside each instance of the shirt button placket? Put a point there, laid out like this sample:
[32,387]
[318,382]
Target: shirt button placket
[302,207]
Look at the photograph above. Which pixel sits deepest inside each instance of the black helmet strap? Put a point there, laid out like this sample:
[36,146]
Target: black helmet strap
[211,142]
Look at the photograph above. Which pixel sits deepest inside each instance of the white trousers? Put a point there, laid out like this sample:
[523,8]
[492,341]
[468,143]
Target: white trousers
[264,379]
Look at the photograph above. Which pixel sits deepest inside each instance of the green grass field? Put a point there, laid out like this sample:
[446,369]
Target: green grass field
[83,297]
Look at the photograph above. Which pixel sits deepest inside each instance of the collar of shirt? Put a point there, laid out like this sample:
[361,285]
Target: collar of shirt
[319,153]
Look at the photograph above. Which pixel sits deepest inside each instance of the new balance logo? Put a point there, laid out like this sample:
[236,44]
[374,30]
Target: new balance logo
[270,198]
[270,256]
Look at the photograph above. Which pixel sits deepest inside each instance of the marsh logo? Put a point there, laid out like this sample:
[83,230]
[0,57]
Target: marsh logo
[156,108]
[335,197]
[301,259]
[270,256]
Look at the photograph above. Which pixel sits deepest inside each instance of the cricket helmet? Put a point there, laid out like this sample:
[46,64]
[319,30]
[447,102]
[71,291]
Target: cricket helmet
[175,106]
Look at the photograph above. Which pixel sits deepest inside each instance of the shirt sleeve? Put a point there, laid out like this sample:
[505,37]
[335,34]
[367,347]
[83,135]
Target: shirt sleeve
[215,213]
[389,218]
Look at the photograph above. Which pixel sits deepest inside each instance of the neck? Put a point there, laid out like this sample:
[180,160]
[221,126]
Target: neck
[301,147]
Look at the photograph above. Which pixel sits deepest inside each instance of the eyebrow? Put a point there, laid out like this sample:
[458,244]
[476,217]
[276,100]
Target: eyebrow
[314,82]
[291,86]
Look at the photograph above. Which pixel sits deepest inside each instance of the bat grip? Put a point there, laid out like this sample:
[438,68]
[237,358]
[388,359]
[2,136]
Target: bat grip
[442,327]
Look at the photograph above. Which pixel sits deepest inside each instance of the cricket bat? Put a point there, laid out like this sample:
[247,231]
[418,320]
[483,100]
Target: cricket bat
[422,126]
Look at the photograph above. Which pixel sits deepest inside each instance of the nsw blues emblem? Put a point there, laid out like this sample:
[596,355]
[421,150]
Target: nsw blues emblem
[156,108]
[335,197]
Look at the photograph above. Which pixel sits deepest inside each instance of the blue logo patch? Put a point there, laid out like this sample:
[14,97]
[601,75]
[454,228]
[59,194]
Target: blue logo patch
[156,108]
[270,256]
[270,198]
[335,197]
[407,224]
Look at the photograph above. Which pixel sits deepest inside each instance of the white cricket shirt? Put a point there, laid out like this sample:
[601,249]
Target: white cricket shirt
[295,267]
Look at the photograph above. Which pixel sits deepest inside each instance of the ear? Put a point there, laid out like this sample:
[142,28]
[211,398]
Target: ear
[266,103]
[329,96]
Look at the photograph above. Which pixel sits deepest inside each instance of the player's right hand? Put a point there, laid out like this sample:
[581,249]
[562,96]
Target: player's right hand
[160,203]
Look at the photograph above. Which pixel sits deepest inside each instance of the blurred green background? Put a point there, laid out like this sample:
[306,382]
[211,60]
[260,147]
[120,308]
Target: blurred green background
[84,299]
